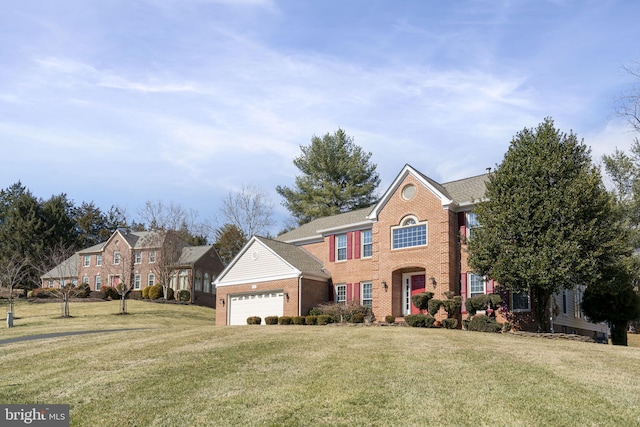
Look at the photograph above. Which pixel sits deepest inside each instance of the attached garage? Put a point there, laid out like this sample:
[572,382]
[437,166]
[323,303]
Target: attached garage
[256,304]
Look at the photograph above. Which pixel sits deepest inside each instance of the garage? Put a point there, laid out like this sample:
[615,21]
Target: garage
[258,304]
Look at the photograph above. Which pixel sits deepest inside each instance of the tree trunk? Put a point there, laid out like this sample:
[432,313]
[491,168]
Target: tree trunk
[619,332]
[123,304]
[540,303]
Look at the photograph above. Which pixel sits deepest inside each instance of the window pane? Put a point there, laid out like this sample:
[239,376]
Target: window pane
[341,293]
[366,244]
[476,285]
[520,301]
[367,295]
[410,236]
[341,247]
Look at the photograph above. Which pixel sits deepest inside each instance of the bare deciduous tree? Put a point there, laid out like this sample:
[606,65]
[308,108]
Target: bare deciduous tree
[248,209]
[13,271]
[629,102]
[160,216]
[168,245]
[64,260]
[120,273]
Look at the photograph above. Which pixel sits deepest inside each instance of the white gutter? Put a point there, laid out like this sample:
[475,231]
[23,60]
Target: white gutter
[300,295]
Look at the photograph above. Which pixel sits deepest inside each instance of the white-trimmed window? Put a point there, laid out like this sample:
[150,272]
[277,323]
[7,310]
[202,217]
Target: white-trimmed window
[477,285]
[198,280]
[98,260]
[367,294]
[152,257]
[138,257]
[341,294]
[85,279]
[98,282]
[207,283]
[565,302]
[116,258]
[409,233]
[151,279]
[341,247]
[50,284]
[136,281]
[87,260]
[182,279]
[520,301]
[472,223]
[367,243]
[577,302]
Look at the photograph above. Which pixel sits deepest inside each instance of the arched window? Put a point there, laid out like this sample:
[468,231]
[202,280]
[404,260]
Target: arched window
[409,233]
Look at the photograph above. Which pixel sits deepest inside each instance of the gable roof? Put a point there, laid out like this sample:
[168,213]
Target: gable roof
[459,193]
[191,254]
[67,268]
[267,259]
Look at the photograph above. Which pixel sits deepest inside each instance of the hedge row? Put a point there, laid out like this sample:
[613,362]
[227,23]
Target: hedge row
[322,319]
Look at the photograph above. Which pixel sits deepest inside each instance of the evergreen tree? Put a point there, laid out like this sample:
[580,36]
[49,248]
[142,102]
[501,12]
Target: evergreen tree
[337,176]
[548,223]
[229,241]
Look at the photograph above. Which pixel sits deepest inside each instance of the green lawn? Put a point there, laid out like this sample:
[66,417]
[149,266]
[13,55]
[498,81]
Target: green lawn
[181,370]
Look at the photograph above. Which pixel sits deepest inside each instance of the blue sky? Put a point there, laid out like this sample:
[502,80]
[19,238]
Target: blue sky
[183,101]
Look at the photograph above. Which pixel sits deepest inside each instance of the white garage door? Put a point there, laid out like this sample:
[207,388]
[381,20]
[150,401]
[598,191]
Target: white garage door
[263,305]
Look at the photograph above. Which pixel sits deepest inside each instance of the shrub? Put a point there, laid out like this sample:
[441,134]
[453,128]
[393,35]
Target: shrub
[109,292]
[285,320]
[271,320]
[298,320]
[315,311]
[41,293]
[145,292]
[506,327]
[184,295]
[169,294]
[311,320]
[155,292]
[344,312]
[482,323]
[450,323]
[421,301]
[465,324]
[390,319]
[433,306]
[324,319]
[254,320]
[357,318]
[83,290]
[419,320]
[452,305]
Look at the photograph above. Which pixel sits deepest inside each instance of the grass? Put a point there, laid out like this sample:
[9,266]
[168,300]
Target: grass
[182,370]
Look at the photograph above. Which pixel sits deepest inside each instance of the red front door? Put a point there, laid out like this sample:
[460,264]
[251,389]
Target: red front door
[417,287]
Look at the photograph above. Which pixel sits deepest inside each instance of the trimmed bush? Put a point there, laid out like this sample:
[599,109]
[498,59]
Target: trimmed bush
[419,320]
[311,320]
[271,320]
[145,292]
[41,293]
[421,301]
[344,312]
[483,302]
[357,318]
[155,292]
[298,320]
[184,295]
[450,323]
[315,311]
[452,305]
[254,320]
[285,320]
[169,294]
[390,319]
[109,292]
[324,319]
[433,306]
[506,327]
[482,323]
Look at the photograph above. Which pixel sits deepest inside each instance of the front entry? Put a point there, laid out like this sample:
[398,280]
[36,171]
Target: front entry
[412,284]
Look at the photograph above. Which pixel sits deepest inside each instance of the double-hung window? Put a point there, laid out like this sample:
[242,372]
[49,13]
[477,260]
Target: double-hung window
[98,282]
[367,243]
[472,223]
[87,260]
[341,247]
[136,281]
[151,279]
[367,294]
[476,285]
[98,260]
[138,257]
[341,294]
[410,233]
[520,301]
[116,258]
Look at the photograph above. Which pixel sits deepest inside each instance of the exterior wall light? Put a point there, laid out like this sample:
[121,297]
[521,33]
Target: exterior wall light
[385,286]
[222,301]
[432,280]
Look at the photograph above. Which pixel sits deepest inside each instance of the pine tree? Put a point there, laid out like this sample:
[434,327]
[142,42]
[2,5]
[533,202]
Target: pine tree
[337,176]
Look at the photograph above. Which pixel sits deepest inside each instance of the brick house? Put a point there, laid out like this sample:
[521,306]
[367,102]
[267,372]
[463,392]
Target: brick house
[409,242]
[145,258]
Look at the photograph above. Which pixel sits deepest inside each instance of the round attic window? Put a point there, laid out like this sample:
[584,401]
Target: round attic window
[408,191]
[255,255]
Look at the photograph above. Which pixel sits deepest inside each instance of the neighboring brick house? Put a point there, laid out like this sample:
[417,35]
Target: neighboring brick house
[409,242]
[144,258]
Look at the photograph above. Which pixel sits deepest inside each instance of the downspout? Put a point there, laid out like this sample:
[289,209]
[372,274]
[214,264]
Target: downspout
[300,295]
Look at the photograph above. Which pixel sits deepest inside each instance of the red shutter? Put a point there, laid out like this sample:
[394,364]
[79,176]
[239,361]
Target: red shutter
[332,248]
[463,291]
[490,286]
[462,216]
[356,292]
[356,244]
[349,244]
[349,292]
